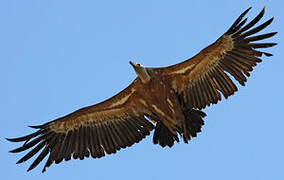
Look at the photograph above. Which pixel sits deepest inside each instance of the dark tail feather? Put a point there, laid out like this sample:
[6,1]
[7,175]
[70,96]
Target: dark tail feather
[163,136]
[193,123]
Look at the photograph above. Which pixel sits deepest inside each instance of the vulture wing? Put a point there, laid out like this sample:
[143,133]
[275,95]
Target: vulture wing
[199,80]
[95,130]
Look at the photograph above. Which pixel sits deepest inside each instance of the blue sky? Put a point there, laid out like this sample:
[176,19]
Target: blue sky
[58,56]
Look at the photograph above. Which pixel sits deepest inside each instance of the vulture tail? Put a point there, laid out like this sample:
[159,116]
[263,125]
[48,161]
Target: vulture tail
[193,123]
[163,135]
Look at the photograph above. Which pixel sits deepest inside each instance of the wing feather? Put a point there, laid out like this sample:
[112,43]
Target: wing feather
[202,79]
[96,130]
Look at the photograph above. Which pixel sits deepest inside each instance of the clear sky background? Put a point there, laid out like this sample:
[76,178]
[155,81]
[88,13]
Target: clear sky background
[58,56]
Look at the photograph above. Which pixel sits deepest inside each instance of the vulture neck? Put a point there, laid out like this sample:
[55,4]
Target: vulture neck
[143,74]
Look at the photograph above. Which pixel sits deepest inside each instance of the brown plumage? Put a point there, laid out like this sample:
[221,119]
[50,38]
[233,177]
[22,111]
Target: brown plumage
[170,97]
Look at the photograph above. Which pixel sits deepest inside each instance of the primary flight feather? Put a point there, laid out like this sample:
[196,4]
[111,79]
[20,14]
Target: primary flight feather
[171,97]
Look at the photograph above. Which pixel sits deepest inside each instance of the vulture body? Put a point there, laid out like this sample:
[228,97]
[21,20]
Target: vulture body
[171,97]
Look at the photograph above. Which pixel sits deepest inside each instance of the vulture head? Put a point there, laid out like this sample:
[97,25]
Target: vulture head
[141,71]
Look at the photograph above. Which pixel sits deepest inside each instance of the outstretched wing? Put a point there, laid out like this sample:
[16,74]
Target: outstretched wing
[95,130]
[199,80]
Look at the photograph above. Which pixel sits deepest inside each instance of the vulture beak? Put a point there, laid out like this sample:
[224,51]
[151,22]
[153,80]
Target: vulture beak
[135,66]
[132,64]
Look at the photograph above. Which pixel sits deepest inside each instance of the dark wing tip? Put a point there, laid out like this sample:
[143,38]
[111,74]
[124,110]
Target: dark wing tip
[234,26]
[36,127]
[11,139]
[267,54]
[20,161]
[272,34]
[30,168]
[13,151]
[27,137]
[262,12]
[43,170]
[246,11]
[19,139]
